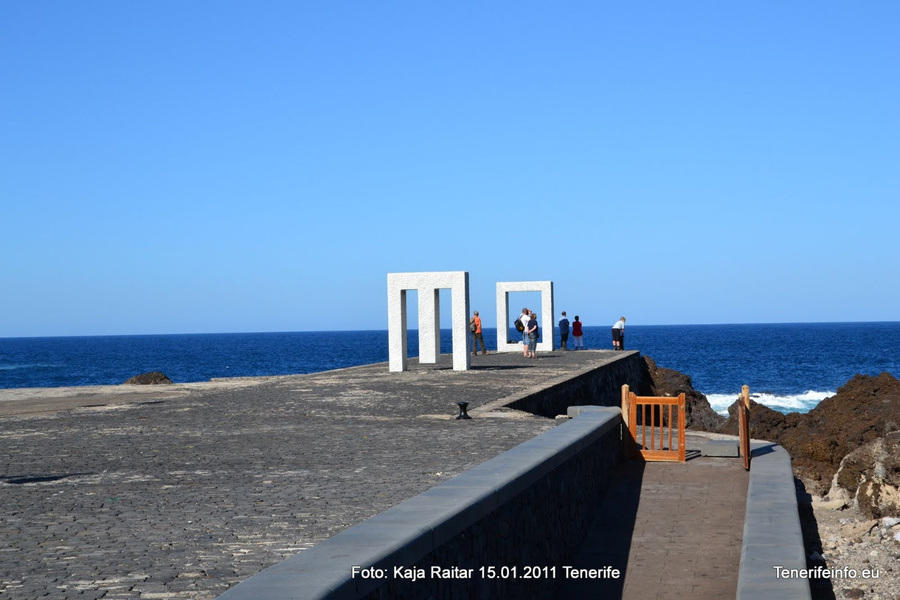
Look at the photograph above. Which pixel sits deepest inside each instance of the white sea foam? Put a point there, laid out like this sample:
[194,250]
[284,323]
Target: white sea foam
[781,402]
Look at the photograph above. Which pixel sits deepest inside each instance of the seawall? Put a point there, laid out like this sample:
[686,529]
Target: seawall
[516,511]
[772,535]
[597,384]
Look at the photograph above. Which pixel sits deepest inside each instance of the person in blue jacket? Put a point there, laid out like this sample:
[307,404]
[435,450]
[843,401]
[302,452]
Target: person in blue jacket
[563,331]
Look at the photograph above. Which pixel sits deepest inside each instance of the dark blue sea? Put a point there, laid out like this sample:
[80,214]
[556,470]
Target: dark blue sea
[790,367]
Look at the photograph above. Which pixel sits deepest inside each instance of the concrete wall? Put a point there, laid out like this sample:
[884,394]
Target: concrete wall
[772,534]
[516,510]
[598,385]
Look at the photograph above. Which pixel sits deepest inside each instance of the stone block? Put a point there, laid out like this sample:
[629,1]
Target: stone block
[720,448]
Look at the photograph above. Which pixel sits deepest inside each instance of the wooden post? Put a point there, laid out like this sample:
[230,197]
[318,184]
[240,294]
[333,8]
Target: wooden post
[744,426]
[681,427]
[626,432]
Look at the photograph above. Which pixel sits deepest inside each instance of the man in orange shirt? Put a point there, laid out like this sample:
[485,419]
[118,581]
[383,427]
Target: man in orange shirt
[475,326]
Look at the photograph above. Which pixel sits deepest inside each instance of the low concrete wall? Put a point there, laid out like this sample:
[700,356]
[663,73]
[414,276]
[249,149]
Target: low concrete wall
[527,509]
[772,534]
[599,385]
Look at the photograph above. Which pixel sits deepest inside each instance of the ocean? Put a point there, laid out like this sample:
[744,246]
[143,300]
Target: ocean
[789,367]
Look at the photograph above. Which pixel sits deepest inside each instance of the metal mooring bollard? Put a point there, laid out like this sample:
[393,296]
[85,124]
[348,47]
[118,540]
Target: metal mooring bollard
[463,407]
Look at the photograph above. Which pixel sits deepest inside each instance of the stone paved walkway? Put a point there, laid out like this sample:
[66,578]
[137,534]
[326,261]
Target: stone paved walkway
[181,491]
[674,531]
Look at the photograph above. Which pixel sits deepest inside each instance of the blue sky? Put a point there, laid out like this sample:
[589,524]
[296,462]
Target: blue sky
[176,167]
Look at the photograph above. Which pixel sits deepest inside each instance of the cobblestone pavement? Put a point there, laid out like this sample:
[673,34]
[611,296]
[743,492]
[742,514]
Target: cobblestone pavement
[183,491]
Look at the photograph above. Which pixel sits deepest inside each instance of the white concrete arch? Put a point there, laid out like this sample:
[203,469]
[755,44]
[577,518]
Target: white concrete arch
[428,286]
[545,322]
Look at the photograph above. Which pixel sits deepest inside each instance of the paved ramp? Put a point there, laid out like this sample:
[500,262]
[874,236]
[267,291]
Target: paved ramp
[673,530]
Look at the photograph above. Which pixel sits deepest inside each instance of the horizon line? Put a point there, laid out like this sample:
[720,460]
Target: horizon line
[77,335]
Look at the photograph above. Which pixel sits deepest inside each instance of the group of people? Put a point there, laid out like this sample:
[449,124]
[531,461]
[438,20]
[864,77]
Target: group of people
[618,333]
[577,334]
[528,321]
[527,325]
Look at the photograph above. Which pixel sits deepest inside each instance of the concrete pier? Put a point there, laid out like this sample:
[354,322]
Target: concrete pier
[182,491]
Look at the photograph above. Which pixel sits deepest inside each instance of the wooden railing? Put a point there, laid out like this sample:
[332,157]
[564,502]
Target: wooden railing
[654,416]
[743,411]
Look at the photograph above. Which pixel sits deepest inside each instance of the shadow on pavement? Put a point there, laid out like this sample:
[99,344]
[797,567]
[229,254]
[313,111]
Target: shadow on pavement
[608,541]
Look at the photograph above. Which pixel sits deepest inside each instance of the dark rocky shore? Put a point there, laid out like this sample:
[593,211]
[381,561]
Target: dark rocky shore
[666,382]
[850,442]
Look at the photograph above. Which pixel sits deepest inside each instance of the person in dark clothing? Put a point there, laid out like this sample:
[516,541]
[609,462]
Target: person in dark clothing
[563,331]
[532,331]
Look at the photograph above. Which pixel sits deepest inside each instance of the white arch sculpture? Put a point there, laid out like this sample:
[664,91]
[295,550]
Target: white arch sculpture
[545,323]
[428,286]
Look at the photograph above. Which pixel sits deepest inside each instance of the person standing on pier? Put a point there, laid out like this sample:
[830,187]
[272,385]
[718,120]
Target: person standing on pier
[577,334]
[523,321]
[563,331]
[532,331]
[618,334]
[476,335]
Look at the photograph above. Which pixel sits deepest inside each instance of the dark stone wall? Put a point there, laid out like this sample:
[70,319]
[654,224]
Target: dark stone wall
[600,386]
[535,533]
[529,508]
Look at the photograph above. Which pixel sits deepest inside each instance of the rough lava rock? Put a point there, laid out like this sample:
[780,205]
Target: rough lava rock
[667,382]
[864,409]
[765,423]
[870,475]
[151,378]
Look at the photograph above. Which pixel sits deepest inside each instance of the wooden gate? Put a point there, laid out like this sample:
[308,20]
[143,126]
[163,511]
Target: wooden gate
[656,419]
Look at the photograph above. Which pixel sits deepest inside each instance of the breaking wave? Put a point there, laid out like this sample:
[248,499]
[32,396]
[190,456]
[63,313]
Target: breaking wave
[781,402]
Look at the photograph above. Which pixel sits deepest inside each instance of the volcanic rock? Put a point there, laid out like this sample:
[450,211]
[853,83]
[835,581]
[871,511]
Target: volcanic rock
[765,423]
[667,382]
[151,378]
[864,409]
[871,476]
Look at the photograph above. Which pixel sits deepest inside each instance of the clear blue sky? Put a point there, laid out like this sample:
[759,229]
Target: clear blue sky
[174,167]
